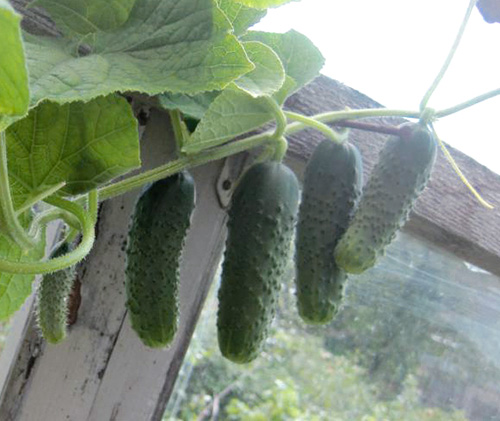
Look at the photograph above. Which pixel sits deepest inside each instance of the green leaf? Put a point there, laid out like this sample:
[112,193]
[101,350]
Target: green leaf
[262,4]
[14,94]
[234,112]
[192,105]
[162,47]
[289,86]
[77,17]
[240,16]
[83,144]
[300,57]
[15,288]
[268,75]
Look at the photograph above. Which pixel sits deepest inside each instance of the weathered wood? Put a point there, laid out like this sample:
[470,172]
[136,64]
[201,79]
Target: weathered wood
[446,214]
[102,371]
[21,349]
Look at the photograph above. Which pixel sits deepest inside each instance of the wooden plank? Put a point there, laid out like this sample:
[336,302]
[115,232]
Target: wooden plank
[138,381]
[102,371]
[21,348]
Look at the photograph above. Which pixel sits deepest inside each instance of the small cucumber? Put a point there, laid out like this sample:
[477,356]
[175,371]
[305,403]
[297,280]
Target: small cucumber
[52,296]
[260,231]
[332,187]
[155,242]
[400,175]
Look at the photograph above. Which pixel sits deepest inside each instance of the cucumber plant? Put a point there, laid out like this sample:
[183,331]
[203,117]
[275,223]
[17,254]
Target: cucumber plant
[52,300]
[400,175]
[260,230]
[67,130]
[156,238]
[332,187]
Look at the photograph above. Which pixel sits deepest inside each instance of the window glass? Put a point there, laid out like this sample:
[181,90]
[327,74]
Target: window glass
[418,338]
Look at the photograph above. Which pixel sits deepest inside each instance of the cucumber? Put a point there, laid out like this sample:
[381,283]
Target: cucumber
[332,187]
[155,242]
[400,175]
[52,300]
[261,224]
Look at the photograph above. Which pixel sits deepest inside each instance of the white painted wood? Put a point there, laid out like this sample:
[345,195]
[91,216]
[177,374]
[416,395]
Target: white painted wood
[18,343]
[135,372]
[102,371]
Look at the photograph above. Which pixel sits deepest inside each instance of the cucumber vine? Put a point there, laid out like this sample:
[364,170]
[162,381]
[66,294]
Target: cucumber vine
[78,208]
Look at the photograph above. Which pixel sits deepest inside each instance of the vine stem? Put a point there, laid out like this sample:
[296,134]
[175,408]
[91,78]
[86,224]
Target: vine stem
[93,204]
[176,120]
[449,58]
[374,128]
[466,104]
[62,262]
[50,215]
[39,197]
[238,146]
[318,125]
[279,116]
[179,164]
[11,225]
[280,148]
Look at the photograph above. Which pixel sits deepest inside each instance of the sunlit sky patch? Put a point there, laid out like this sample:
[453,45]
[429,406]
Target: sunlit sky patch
[391,50]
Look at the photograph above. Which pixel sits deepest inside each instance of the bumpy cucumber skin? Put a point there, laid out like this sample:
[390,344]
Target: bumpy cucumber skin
[52,295]
[260,231]
[155,242]
[332,187]
[400,175]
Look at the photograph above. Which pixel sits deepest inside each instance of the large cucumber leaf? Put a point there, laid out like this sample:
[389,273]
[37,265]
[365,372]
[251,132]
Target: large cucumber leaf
[79,18]
[267,78]
[240,16]
[15,288]
[262,4]
[300,57]
[232,113]
[83,144]
[268,75]
[14,93]
[162,47]
[191,105]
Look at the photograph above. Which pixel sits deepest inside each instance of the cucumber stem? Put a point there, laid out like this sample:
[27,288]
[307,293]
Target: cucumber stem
[176,120]
[281,146]
[93,204]
[318,125]
[228,149]
[466,104]
[58,263]
[279,116]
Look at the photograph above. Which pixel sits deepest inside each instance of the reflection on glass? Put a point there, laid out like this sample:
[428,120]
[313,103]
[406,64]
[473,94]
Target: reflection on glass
[418,338]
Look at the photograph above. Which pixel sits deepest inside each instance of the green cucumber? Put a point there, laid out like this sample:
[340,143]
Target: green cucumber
[52,300]
[400,175]
[155,242]
[260,232]
[332,187]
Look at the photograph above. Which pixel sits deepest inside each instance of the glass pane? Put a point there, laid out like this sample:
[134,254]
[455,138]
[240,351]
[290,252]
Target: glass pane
[418,338]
